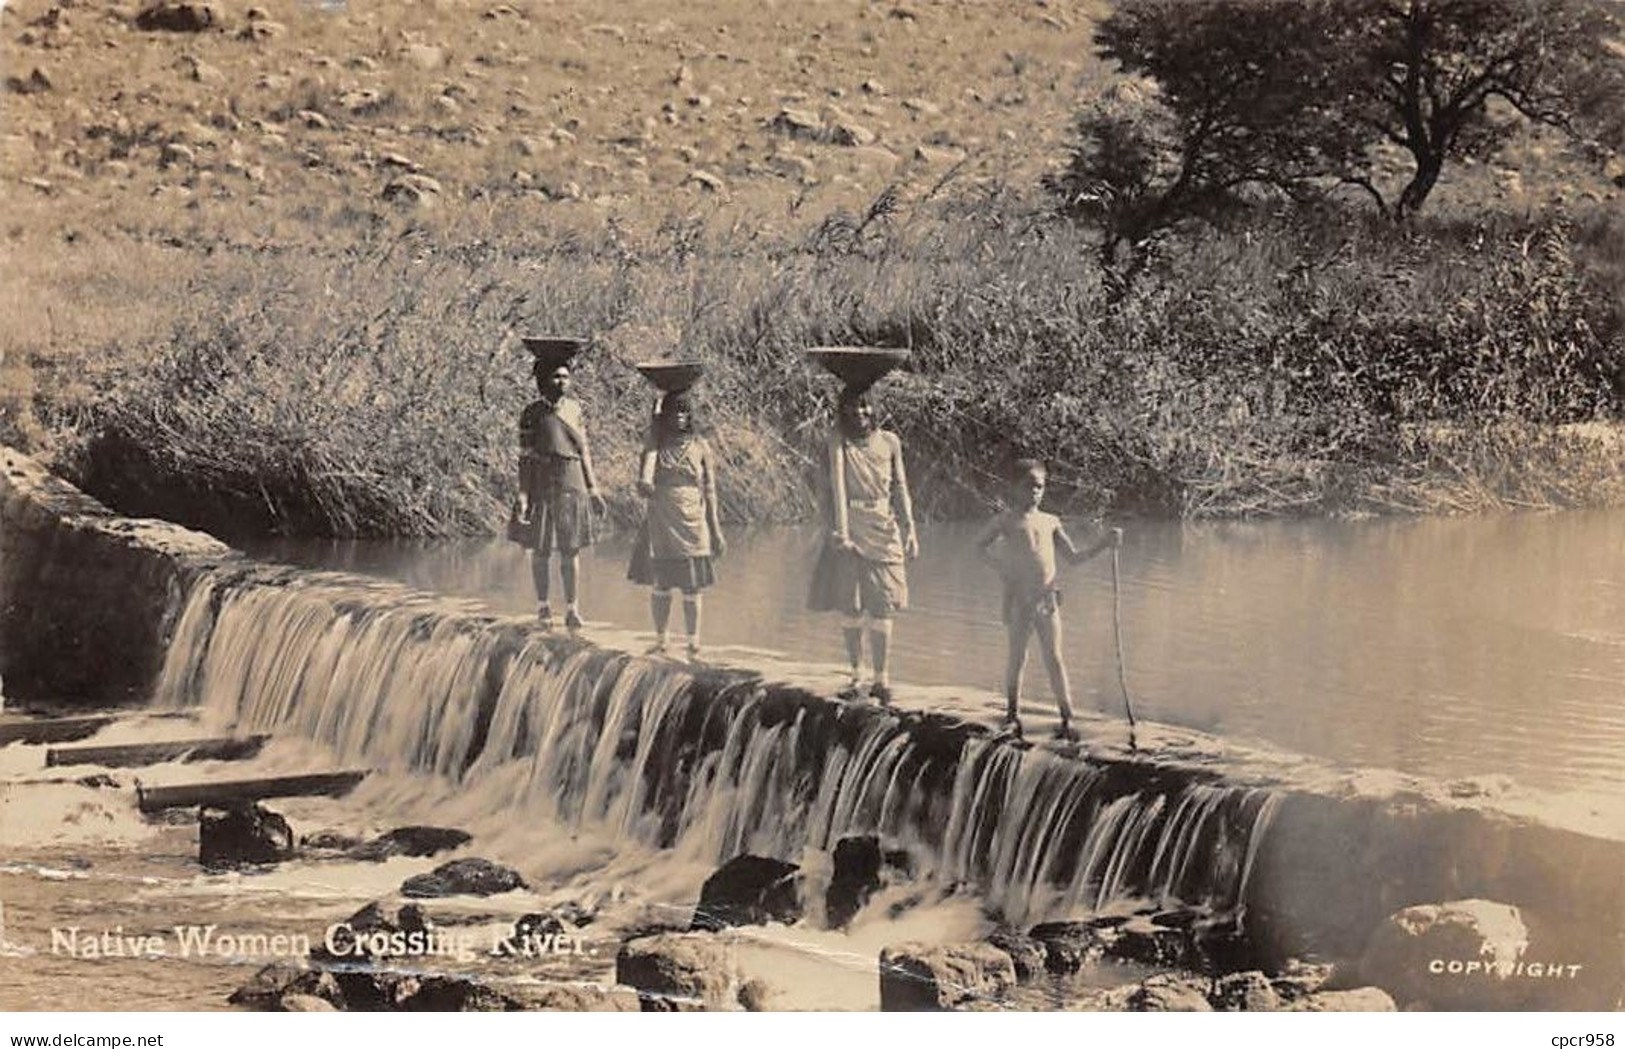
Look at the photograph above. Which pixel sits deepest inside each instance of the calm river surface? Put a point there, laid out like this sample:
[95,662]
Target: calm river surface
[1443,647]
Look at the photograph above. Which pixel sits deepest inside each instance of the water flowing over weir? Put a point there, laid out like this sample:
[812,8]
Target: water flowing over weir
[712,763]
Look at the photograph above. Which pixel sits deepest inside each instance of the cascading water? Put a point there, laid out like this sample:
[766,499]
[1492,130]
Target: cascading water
[711,763]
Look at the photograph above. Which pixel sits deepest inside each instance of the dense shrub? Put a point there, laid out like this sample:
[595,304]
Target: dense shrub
[1320,363]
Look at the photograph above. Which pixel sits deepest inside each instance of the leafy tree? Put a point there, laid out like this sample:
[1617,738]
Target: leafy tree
[1427,72]
[1290,96]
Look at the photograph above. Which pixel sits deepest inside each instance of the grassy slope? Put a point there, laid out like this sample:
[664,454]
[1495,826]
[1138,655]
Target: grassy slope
[201,258]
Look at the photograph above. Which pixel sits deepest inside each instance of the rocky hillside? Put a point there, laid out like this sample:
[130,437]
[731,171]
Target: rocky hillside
[786,104]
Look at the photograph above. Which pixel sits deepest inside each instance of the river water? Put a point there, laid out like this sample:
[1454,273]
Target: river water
[1451,648]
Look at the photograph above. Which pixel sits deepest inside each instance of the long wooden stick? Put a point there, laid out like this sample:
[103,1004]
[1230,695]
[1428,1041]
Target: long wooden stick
[184,795]
[1122,672]
[131,755]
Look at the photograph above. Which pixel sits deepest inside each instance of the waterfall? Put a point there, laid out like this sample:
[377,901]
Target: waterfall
[709,762]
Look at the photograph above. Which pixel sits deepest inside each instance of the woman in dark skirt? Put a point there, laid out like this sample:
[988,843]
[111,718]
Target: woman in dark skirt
[682,533]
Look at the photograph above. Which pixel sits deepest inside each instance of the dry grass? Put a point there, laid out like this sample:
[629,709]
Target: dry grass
[246,335]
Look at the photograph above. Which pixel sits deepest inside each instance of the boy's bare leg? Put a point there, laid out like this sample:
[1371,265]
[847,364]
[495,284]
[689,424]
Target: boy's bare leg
[1018,630]
[1048,628]
[660,612]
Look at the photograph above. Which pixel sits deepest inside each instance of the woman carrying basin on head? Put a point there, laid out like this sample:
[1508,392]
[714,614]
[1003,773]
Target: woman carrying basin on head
[861,569]
[682,532]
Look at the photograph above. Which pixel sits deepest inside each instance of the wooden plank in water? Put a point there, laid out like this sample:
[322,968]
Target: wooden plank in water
[132,755]
[331,784]
[67,730]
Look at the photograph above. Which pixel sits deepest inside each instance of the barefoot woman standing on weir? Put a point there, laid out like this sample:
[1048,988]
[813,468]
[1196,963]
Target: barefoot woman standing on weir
[558,493]
[861,571]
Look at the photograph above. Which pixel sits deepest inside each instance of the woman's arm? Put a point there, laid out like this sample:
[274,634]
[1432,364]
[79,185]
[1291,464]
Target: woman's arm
[902,500]
[837,492]
[708,493]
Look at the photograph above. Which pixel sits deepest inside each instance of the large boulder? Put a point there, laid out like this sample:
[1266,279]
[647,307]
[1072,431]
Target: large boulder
[411,841]
[749,890]
[1170,993]
[1456,955]
[573,998]
[1027,953]
[466,877]
[918,977]
[861,868]
[240,833]
[1357,1000]
[1249,992]
[281,987]
[679,969]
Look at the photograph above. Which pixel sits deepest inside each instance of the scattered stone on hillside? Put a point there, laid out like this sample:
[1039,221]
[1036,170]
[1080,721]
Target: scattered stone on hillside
[844,130]
[314,120]
[257,31]
[707,181]
[1170,993]
[904,14]
[473,876]
[34,83]
[413,190]
[361,101]
[1027,954]
[682,77]
[937,156]
[424,56]
[608,29]
[396,160]
[177,18]
[921,977]
[564,135]
[447,105]
[674,969]
[200,71]
[877,157]
[749,890]
[873,87]
[1249,992]
[1478,943]
[502,11]
[1357,1000]
[798,123]
[794,166]
[699,101]
[257,14]
[364,63]
[922,107]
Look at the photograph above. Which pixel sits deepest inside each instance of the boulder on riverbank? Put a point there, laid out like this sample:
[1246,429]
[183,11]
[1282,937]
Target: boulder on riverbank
[749,890]
[1456,955]
[925,978]
[240,833]
[679,971]
[467,877]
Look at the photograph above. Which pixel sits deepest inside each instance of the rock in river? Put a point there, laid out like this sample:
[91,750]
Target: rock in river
[471,877]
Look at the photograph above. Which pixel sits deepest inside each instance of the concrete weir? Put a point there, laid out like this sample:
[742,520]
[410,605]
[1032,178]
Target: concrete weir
[1302,859]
